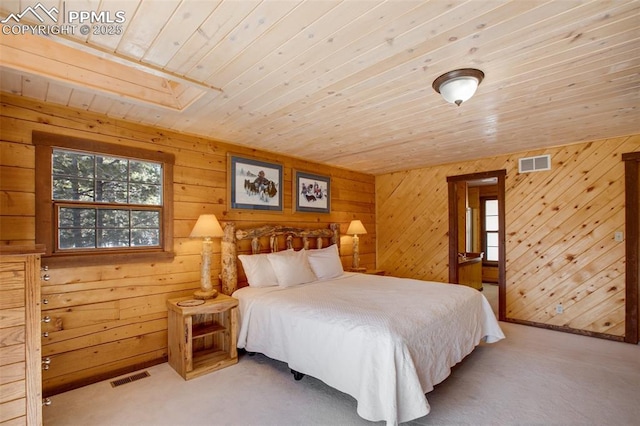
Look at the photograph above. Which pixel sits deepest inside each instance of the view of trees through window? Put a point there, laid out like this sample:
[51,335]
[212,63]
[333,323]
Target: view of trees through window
[104,201]
[491,229]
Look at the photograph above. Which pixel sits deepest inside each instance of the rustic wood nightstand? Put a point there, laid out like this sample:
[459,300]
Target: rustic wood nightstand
[202,334]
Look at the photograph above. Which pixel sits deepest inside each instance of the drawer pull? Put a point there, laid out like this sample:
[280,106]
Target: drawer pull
[44,268]
[46,319]
[45,301]
[45,367]
[46,277]
[45,334]
[46,402]
[46,360]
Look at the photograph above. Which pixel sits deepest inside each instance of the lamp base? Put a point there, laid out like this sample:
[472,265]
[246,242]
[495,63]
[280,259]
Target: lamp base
[204,295]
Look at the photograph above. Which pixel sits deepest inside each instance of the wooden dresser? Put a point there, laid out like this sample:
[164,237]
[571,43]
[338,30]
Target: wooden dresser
[20,345]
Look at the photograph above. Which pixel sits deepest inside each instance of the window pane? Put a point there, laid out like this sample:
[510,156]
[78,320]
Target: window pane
[71,217]
[145,172]
[145,219]
[491,227]
[65,189]
[140,193]
[76,238]
[145,237]
[111,192]
[113,218]
[491,207]
[94,196]
[73,164]
[111,168]
[491,223]
[113,238]
[492,253]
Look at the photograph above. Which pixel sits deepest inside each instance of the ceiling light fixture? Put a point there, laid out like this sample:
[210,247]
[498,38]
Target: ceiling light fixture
[458,86]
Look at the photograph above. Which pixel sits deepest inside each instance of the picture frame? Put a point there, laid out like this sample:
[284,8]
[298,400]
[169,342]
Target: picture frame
[254,184]
[312,192]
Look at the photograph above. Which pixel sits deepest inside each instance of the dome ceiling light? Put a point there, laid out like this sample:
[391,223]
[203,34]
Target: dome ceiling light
[458,86]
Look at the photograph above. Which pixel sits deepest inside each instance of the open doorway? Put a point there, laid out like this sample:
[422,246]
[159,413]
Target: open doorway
[468,239]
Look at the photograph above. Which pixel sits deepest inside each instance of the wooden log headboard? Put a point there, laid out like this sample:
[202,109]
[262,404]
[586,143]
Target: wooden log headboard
[273,233]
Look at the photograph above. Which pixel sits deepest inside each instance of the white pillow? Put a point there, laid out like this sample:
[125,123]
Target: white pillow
[291,267]
[258,269]
[325,262]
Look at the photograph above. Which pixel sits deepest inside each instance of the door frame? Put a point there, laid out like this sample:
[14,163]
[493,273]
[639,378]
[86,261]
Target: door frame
[453,232]
[632,244]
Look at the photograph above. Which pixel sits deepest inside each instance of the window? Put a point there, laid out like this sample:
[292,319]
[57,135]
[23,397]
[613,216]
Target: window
[490,228]
[101,199]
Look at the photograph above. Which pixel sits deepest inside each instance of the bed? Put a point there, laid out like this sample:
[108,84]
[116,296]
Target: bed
[385,341]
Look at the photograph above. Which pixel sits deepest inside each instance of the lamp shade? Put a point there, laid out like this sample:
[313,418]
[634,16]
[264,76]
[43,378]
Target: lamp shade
[458,86]
[356,228]
[207,226]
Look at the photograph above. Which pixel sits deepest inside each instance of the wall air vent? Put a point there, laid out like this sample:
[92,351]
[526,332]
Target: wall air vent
[534,164]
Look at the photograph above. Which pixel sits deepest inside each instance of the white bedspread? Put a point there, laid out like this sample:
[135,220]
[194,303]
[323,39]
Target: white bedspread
[385,341]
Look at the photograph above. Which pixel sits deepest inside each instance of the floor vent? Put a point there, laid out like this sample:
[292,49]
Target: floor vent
[129,379]
[534,164]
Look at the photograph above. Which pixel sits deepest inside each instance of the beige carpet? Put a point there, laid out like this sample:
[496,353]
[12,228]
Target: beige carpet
[534,377]
[490,291]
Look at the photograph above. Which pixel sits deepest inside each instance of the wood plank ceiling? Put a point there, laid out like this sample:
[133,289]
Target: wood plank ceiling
[346,83]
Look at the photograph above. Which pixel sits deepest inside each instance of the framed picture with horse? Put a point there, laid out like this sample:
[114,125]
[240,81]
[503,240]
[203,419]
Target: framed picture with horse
[255,184]
[312,192]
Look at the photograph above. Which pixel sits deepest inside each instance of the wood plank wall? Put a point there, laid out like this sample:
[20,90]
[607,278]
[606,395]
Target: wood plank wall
[560,228]
[111,319]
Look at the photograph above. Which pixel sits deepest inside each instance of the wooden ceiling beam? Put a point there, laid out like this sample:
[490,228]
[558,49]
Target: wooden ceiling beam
[42,56]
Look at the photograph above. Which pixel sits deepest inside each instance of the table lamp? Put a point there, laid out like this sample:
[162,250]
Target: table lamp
[356,228]
[207,227]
